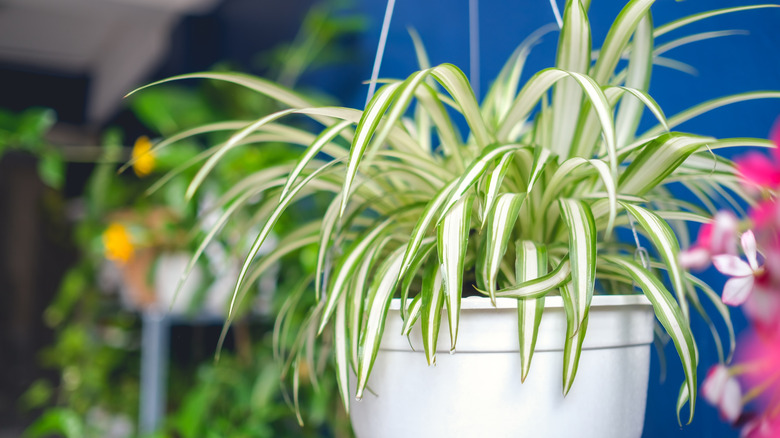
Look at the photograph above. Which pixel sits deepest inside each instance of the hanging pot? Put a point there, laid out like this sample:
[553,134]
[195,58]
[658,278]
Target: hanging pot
[477,391]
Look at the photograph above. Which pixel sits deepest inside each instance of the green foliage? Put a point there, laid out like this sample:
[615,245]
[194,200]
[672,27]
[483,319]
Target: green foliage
[96,351]
[25,131]
[553,167]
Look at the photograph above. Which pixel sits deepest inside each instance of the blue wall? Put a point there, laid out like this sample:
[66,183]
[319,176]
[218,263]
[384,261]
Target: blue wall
[725,65]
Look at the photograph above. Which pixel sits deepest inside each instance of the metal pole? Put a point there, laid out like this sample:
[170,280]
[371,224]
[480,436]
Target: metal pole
[155,341]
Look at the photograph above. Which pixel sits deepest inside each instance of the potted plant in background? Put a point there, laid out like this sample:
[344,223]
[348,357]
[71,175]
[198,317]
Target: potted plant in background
[131,230]
[524,212]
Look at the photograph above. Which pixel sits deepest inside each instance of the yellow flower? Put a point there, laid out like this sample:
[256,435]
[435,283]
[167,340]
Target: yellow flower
[117,244]
[144,160]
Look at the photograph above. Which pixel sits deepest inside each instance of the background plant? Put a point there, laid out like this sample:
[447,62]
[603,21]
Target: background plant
[96,353]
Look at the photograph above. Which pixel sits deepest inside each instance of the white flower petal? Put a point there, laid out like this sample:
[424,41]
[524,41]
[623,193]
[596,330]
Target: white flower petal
[724,233]
[714,384]
[732,265]
[749,246]
[731,402]
[737,290]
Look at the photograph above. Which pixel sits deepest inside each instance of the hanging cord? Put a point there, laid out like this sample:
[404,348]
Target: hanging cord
[641,252]
[557,13]
[380,51]
[474,46]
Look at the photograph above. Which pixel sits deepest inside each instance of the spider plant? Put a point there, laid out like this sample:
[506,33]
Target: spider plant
[527,203]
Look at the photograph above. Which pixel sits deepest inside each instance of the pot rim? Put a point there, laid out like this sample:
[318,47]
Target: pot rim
[554,301]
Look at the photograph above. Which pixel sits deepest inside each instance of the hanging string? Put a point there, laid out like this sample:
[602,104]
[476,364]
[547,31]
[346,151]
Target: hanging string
[641,253]
[557,13]
[380,51]
[474,45]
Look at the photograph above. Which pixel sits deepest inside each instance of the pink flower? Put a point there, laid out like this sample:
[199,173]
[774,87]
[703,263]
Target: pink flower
[721,390]
[717,237]
[762,427]
[743,275]
[766,214]
[760,170]
[763,309]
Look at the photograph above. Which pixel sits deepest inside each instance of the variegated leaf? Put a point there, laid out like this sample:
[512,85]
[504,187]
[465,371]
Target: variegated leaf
[668,313]
[494,180]
[668,247]
[457,85]
[347,267]
[575,334]
[452,241]
[500,221]
[432,303]
[412,315]
[384,286]
[365,130]
[421,227]
[639,70]
[319,143]
[341,347]
[657,160]
[473,172]
[531,263]
[574,44]
[541,286]
[582,253]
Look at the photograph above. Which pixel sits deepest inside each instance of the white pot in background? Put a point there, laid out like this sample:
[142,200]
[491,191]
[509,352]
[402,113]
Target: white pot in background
[476,392]
[166,277]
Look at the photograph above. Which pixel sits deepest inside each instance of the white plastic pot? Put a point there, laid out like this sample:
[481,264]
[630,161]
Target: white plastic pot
[477,392]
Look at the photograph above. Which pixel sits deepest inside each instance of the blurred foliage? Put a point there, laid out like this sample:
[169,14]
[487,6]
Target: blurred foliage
[25,131]
[97,348]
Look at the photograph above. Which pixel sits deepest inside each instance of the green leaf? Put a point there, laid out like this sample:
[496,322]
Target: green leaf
[421,227]
[347,267]
[265,231]
[504,88]
[658,158]
[666,28]
[640,67]
[538,85]
[412,315]
[500,221]
[365,129]
[473,173]
[260,85]
[234,141]
[356,300]
[420,257]
[582,254]
[452,241]
[457,85]
[540,286]
[341,346]
[666,244]
[722,309]
[575,334]
[316,147]
[531,263]
[617,39]
[493,182]
[574,44]
[668,313]
[710,105]
[329,220]
[432,303]
[383,288]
